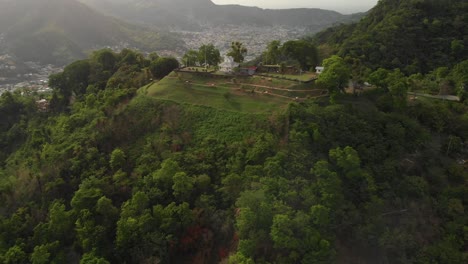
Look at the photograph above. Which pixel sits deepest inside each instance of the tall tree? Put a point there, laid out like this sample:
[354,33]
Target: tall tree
[191,58]
[336,74]
[237,52]
[304,52]
[271,55]
[106,58]
[209,55]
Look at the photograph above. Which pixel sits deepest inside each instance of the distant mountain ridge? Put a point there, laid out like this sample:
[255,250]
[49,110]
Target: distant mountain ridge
[188,14]
[60,31]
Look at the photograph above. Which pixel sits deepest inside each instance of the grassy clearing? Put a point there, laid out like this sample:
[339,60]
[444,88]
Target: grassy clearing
[213,92]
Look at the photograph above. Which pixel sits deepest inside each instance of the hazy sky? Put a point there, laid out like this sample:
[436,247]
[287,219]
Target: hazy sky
[343,6]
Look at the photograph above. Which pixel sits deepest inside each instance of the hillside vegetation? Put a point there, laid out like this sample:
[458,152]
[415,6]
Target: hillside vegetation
[416,36]
[119,177]
[131,163]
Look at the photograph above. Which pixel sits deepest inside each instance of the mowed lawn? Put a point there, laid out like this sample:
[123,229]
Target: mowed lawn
[213,93]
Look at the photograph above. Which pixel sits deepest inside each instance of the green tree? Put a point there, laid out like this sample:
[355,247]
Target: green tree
[232,185]
[190,58]
[302,51]
[106,210]
[360,185]
[40,255]
[117,159]
[398,87]
[130,57]
[107,58]
[163,66]
[335,76]
[76,76]
[87,195]
[164,177]
[282,232]
[57,82]
[329,186]
[378,78]
[457,47]
[254,222]
[209,54]
[60,225]
[237,52]
[15,255]
[183,186]
[273,52]
[91,258]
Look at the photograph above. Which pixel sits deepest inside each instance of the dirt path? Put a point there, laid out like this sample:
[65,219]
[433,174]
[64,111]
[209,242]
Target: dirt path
[213,85]
[279,89]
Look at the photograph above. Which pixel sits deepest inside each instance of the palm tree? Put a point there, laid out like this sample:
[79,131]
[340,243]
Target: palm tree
[237,52]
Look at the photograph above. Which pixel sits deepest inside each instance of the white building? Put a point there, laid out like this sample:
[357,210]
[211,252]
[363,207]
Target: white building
[228,65]
[319,69]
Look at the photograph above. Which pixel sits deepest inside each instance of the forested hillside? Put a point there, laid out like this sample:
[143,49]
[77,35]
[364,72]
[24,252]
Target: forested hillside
[109,176]
[416,36]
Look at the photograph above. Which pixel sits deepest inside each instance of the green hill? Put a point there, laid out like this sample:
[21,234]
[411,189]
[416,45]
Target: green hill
[216,96]
[415,36]
[235,93]
[60,31]
[179,174]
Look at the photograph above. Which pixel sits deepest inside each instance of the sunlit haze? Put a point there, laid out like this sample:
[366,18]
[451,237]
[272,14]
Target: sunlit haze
[343,6]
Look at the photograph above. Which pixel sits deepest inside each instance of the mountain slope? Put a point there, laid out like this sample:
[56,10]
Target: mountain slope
[125,178]
[59,31]
[416,36]
[187,14]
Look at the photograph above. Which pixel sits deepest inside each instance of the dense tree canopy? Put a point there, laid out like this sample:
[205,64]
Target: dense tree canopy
[113,180]
[415,36]
[111,175]
[304,52]
[163,66]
